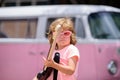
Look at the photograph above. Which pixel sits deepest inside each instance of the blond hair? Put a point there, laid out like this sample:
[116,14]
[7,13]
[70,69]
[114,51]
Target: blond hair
[67,24]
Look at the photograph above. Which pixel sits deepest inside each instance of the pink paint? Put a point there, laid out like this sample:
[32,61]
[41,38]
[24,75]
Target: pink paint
[21,61]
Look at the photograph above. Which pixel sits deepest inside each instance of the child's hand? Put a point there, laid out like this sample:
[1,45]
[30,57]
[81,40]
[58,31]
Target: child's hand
[48,63]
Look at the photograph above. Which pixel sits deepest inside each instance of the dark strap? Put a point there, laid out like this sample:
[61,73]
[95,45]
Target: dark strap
[57,60]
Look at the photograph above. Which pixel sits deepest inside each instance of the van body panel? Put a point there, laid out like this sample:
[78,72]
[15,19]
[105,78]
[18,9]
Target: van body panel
[87,61]
[106,54]
[21,61]
[96,56]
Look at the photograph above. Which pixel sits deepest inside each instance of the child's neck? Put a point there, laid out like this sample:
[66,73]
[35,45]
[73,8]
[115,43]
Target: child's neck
[62,46]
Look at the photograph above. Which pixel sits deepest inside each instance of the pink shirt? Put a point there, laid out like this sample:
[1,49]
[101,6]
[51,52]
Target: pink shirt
[65,54]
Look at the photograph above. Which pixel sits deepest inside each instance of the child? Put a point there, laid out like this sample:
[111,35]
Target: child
[69,54]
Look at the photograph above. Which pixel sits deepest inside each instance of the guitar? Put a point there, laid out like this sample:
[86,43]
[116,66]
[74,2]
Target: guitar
[57,60]
[47,70]
[45,74]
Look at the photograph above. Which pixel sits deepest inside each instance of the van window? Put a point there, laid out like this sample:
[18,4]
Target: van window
[50,20]
[105,25]
[23,28]
[116,19]
[80,31]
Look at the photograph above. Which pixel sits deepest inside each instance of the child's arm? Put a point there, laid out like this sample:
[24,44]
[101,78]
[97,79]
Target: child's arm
[69,69]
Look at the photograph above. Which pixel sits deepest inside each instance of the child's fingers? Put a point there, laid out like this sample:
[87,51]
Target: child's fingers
[43,58]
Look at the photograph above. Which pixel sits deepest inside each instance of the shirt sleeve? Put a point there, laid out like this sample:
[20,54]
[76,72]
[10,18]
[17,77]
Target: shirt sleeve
[73,51]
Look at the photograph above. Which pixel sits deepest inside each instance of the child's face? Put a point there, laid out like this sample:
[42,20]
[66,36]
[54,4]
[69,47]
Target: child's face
[63,38]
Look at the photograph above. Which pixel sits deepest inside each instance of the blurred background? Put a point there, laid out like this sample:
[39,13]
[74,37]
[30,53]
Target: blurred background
[8,3]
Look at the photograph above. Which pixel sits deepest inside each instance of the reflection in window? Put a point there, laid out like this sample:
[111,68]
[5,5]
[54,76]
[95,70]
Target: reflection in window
[116,18]
[80,31]
[3,35]
[105,25]
[19,28]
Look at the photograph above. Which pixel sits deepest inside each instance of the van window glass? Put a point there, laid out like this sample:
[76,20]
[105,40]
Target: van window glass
[50,20]
[105,25]
[80,31]
[18,28]
[116,19]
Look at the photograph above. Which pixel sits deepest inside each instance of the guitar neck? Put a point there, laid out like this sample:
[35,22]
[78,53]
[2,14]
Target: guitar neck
[52,48]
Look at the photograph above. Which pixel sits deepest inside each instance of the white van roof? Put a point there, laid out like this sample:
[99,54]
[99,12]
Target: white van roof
[28,11]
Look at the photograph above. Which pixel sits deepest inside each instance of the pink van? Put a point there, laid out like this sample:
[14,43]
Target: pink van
[23,40]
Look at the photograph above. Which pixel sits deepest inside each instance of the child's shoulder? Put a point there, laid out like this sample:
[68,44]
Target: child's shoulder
[72,46]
